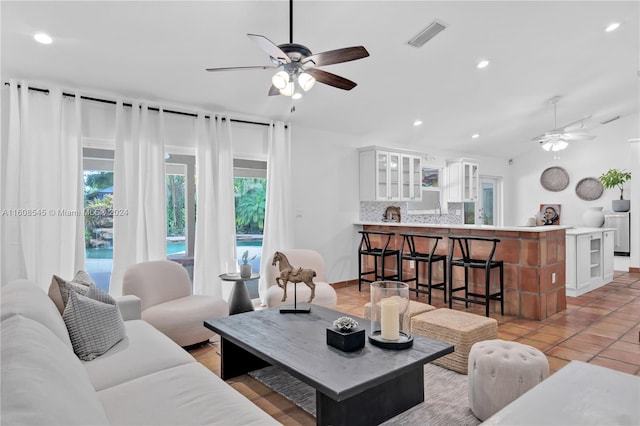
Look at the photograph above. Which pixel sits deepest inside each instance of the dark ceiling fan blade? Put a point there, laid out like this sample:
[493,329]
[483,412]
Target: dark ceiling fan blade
[270,47]
[274,91]
[331,79]
[256,67]
[336,56]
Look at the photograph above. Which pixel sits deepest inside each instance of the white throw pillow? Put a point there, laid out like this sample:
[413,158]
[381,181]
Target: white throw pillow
[94,322]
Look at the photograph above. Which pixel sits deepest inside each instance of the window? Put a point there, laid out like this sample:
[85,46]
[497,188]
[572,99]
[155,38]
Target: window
[250,189]
[181,209]
[490,195]
[98,221]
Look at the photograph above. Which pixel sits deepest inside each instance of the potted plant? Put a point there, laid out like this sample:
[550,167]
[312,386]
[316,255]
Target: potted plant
[616,178]
[245,268]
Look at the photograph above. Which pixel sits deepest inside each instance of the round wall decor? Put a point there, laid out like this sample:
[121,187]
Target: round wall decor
[589,189]
[554,179]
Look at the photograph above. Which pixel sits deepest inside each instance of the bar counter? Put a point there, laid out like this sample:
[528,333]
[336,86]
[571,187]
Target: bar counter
[531,256]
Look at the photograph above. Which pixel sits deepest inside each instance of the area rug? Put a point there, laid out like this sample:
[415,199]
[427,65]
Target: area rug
[445,397]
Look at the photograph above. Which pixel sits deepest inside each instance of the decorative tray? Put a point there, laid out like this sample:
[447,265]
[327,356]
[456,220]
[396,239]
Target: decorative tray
[554,179]
[589,189]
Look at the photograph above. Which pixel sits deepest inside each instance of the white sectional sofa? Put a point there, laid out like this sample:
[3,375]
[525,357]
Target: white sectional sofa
[145,379]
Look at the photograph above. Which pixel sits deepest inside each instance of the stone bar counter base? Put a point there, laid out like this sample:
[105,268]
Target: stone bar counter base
[531,256]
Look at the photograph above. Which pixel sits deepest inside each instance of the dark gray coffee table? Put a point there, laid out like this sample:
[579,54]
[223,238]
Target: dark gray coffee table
[364,387]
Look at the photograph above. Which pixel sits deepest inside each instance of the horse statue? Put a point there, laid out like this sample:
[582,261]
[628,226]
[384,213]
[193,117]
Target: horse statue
[295,275]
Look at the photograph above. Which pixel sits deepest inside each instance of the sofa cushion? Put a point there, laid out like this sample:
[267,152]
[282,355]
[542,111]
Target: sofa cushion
[22,297]
[43,382]
[183,319]
[58,293]
[144,351]
[94,326]
[190,395]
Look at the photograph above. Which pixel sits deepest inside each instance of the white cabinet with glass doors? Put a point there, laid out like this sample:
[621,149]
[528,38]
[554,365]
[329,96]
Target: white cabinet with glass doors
[463,182]
[389,175]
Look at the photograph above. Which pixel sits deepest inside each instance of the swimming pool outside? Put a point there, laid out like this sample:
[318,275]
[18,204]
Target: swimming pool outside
[99,261]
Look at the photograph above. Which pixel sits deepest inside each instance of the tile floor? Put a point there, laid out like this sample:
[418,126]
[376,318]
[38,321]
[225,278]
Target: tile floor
[601,327]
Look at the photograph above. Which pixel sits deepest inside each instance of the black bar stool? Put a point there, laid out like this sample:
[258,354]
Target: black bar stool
[467,261]
[428,258]
[381,251]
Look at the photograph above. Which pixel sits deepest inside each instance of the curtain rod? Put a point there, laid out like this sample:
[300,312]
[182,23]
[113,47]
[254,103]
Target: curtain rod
[107,101]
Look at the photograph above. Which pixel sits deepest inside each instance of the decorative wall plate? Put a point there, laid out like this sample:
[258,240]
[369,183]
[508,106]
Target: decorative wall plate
[554,179]
[589,189]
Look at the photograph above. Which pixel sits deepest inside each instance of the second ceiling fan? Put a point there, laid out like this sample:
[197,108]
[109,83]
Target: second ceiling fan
[298,64]
[559,137]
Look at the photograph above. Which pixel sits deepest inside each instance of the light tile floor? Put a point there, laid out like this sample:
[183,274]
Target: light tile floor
[601,327]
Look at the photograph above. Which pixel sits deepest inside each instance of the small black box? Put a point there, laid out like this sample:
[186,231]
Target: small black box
[345,341]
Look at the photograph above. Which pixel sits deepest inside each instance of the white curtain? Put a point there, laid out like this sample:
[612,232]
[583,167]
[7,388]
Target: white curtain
[278,221]
[215,214]
[139,199]
[41,187]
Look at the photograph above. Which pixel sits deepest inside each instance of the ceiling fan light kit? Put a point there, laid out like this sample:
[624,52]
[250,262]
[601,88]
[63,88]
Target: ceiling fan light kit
[554,145]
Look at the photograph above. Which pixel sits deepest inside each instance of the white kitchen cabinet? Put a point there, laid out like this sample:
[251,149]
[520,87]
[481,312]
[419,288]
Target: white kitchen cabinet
[388,175]
[463,181]
[589,259]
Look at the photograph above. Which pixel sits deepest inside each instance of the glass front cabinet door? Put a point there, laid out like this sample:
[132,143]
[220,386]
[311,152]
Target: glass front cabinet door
[463,182]
[471,179]
[388,175]
[411,178]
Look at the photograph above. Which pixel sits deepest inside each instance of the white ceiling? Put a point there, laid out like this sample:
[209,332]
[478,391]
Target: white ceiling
[158,50]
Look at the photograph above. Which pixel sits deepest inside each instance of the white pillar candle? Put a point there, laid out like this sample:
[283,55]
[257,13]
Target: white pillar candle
[389,320]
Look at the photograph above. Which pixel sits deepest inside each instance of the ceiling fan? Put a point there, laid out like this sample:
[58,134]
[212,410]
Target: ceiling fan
[297,64]
[559,137]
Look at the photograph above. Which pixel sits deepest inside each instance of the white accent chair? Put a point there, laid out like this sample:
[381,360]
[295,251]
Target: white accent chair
[325,294]
[168,303]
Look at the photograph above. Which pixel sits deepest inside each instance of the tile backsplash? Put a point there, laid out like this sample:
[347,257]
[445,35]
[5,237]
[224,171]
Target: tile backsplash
[373,211]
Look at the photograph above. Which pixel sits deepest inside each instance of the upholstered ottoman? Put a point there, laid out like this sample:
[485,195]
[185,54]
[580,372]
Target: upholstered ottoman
[500,371]
[461,329]
[415,308]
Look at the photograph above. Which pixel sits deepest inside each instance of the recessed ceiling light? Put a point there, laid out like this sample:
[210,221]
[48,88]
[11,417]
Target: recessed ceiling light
[43,38]
[612,27]
[483,63]
[417,122]
[475,136]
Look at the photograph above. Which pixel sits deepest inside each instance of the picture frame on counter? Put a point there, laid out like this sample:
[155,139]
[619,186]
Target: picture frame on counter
[550,214]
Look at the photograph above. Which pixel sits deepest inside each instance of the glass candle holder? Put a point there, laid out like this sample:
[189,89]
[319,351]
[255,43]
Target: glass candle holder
[390,320]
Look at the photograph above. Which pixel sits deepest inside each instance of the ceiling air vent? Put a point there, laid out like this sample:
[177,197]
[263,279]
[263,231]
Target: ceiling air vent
[427,34]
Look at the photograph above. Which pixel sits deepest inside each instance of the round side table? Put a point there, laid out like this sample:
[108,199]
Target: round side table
[239,300]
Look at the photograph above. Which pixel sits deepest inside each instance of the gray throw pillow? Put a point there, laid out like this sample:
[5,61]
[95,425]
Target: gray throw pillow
[94,322]
[59,288]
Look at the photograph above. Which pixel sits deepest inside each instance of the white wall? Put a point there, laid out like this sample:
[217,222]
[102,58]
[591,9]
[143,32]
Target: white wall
[325,192]
[610,149]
